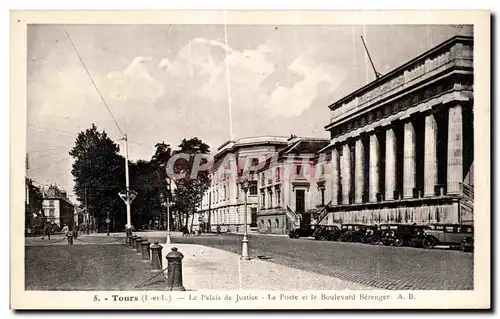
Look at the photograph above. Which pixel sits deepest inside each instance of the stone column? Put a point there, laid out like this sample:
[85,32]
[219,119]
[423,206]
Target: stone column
[390,163]
[430,155]
[335,176]
[346,173]
[374,167]
[409,160]
[455,149]
[359,167]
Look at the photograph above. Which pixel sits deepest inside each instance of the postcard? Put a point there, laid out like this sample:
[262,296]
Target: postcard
[250,160]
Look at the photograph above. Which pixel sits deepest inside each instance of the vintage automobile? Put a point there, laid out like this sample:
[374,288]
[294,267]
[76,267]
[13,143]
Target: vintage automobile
[353,232]
[405,235]
[327,232]
[446,234]
[379,232]
[303,231]
[396,234]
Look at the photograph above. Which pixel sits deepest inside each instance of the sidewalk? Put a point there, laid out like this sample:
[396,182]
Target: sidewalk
[206,268]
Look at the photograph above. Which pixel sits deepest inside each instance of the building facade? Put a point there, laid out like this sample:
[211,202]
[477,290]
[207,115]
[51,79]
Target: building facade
[288,193]
[223,204]
[57,208]
[402,147]
[33,205]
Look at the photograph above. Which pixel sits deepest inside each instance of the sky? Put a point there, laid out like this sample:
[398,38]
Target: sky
[215,82]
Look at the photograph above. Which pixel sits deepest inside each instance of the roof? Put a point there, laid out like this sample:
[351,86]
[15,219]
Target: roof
[305,145]
[374,83]
[309,146]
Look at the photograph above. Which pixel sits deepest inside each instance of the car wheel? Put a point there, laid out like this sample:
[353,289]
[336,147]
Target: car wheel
[296,236]
[375,240]
[398,242]
[429,243]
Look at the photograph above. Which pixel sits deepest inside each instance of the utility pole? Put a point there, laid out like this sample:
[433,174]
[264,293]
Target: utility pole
[169,239]
[209,226]
[127,186]
[87,212]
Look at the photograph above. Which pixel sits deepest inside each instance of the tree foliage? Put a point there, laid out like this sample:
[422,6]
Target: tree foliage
[190,189]
[99,174]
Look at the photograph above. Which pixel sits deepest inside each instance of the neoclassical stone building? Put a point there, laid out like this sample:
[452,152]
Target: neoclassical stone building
[289,196]
[223,203]
[402,147]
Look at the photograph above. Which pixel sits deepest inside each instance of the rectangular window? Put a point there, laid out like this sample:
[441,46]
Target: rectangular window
[225,193]
[263,200]
[253,217]
[51,203]
[253,188]
[278,198]
[270,200]
[449,229]
[322,196]
[298,170]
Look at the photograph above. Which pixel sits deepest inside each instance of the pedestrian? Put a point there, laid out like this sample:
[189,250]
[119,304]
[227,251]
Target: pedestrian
[218,229]
[65,230]
[46,231]
[29,232]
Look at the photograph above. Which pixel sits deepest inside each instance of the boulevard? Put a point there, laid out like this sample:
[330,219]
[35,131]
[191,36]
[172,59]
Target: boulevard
[383,267]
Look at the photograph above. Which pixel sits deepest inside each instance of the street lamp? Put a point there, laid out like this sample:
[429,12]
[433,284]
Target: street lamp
[244,249]
[107,222]
[166,204]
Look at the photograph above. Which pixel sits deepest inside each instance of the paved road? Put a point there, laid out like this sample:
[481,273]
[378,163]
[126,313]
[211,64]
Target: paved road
[383,267]
[113,267]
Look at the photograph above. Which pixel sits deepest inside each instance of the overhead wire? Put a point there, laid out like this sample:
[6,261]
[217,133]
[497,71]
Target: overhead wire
[48,155]
[47,165]
[92,80]
[47,149]
[40,127]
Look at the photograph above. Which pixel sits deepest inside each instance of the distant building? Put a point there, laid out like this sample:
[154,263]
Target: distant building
[57,208]
[33,205]
[223,203]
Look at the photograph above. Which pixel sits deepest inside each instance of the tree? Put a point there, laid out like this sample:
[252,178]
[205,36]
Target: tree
[189,191]
[99,175]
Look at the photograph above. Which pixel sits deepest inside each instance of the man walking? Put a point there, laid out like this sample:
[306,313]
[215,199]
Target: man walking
[46,231]
[65,230]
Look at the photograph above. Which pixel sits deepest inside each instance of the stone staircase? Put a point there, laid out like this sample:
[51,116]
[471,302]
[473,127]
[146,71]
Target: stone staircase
[466,203]
[293,217]
[323,213]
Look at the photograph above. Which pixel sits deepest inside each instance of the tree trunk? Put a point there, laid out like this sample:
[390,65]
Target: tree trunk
[187,220]
[192,221]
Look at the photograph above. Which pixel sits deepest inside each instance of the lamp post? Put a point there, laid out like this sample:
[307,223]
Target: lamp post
[166,204]
[244,248]
[107,222]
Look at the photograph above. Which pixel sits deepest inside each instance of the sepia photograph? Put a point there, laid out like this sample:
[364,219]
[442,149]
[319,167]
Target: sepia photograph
[240,162]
